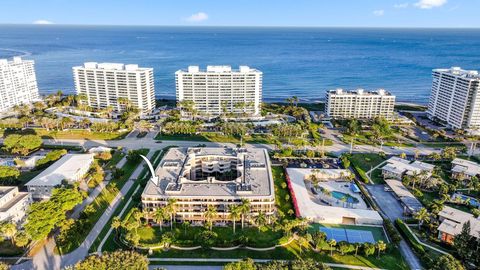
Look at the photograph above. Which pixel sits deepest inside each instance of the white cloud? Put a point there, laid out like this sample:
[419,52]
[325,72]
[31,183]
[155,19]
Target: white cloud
[198,17]
[379,12]
[428,4]
[401,5]
[42,22]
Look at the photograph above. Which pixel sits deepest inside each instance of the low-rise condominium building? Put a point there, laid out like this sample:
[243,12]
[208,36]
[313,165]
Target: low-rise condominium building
[221,90]
[18,83]
[197,178]
[463,169]
[455,98]
[452,221]
[359,104]
[70,168]
[116,86]
[397,167]
[13,204]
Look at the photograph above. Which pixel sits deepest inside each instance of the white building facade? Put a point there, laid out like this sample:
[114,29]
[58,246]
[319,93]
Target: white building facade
[220,89]
[359,104]
[103,84]
[13,204]
[454,99]
[18,83]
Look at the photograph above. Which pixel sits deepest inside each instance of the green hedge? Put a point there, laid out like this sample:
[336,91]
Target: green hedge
[402,227]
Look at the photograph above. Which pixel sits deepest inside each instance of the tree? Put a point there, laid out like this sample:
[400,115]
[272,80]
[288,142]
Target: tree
[234,214]
[422,216]
[345,247]
[318,239]
[4,266]
[244,209]
[8,175]
[461,241]
[171,210]
[21,239]
[449,152]
[332,243]
[447,262]
[381,246]
[210,215]
[22,144]
[44,216]
[116,223]
[8,230]
[354,127]
[368,249]
[160,216]
[260,220]
[245,264]
[119,260]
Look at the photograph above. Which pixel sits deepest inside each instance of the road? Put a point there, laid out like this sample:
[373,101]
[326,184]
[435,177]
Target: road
[392,209]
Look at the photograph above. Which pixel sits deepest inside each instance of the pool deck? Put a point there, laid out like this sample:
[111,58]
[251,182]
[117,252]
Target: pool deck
[316,212]
[340,187]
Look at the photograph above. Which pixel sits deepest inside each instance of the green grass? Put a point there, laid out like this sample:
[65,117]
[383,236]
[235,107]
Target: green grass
[7,249]
[99,205]
[70,134]
[366,161]
[219,138]
[283,205]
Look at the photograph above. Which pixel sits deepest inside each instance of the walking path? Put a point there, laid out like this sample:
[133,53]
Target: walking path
[225,260]
[426,245]
[46,259]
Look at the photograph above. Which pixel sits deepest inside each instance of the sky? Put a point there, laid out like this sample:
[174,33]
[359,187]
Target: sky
[310,13]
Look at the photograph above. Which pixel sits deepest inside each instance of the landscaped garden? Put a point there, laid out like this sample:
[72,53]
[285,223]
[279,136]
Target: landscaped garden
[364,162]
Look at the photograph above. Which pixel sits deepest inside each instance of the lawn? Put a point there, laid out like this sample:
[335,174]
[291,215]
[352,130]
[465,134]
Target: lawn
[281,191]
[366,161]
[216,137]
[98,207]
[70,134]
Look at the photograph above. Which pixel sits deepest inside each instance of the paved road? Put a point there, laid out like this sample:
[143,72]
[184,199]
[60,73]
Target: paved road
[392,208]
[185,267]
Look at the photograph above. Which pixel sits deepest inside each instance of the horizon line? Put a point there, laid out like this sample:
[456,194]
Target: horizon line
[239,26]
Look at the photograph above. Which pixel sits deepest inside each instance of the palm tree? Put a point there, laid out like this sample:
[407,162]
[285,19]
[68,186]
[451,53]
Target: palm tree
[381,246]
[332,243]
[295,100]
[9,230]
[210,215]
[116,223]
[422,216]
[260,220]
[160,216]
[171,210]
[185,225]
[234,214]
[357,245]
[244,209]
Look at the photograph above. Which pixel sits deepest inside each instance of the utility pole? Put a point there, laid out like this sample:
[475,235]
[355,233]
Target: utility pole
[351,145]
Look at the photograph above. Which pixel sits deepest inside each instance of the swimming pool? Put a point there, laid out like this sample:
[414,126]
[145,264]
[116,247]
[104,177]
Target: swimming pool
[340,195]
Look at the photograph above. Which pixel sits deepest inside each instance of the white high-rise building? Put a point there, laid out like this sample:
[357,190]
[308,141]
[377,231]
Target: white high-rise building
[18,83]
[220,88]
[359,104]
[104,84]
[455,98]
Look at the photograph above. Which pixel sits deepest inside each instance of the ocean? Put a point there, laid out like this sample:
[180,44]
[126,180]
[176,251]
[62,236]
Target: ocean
[303,62]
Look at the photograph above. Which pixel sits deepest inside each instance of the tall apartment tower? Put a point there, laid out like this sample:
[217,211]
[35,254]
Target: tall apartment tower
[18,83]
[104,84]
[220,88]
[359,104]
[455,98]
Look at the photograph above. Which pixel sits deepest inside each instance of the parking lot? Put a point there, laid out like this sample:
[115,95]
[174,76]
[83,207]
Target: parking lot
[386,201]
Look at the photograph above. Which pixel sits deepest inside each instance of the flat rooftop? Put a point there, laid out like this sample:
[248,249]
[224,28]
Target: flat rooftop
[62,169]
[459,72]
[454,220]
[359,92]
[253,164]
[465,166]
[321,213]
[218,69]
[111,66]
[399,166]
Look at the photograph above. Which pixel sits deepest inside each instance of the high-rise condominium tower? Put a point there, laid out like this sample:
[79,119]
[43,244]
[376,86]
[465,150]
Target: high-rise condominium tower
[220,89]
[18,84]
[359,104]
[111,85]
[455,98]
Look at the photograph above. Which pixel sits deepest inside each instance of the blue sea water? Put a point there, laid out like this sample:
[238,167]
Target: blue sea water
[295,61]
